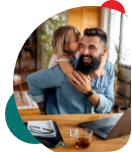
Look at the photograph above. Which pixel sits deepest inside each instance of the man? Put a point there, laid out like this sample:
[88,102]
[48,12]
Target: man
[81,94]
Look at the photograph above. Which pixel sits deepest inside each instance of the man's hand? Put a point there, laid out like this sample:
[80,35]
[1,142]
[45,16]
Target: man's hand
[42,108]
[81,81]
[98,73]
[43,113]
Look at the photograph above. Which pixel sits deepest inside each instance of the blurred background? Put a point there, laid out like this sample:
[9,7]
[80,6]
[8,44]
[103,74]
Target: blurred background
[36,51]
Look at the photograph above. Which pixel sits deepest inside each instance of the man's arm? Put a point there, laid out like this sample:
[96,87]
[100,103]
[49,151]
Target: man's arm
[102,102]
[107,98]
[83,84]
[42,108]
[41,80]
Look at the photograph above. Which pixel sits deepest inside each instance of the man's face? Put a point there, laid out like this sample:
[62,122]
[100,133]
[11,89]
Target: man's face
[91,49]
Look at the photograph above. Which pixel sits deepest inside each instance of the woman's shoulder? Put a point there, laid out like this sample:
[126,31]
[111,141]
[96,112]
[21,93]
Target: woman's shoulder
[52,61]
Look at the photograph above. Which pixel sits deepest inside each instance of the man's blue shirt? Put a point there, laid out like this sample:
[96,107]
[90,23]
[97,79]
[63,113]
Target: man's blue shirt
[69,99]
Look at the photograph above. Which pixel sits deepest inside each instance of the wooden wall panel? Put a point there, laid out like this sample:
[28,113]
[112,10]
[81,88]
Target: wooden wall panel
[84,17]
[93,17]
[75,17]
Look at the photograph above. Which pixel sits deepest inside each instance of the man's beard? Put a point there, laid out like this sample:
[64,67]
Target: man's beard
[90,68]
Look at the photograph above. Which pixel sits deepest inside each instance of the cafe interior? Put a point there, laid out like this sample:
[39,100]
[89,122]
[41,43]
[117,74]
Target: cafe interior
[35,55]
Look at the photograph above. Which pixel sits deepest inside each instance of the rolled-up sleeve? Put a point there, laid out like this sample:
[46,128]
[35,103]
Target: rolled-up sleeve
[106,100]
[44,79]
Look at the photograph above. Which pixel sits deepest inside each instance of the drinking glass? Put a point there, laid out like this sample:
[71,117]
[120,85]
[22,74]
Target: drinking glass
[82,137]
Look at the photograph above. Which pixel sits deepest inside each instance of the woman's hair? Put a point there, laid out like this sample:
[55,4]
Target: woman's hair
[61,38]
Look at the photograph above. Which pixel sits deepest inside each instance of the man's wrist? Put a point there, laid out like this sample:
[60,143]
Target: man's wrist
[89,93]
[94,98]
[86,91]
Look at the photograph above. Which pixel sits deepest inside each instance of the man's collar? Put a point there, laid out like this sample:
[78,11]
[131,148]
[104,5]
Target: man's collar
[74,63]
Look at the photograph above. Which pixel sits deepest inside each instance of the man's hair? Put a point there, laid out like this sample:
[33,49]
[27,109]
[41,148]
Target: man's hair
[96,32]
[61,38]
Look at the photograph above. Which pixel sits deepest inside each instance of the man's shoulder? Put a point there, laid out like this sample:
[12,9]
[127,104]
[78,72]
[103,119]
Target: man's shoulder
[74,63]
[109,68]
[108,65]
[56,70]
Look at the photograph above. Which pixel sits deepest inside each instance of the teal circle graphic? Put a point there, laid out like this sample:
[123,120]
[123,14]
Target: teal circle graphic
[15,123]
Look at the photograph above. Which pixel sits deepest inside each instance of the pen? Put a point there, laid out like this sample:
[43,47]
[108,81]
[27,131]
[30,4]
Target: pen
[50,125]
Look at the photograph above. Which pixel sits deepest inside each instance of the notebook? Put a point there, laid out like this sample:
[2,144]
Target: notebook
[42,128]
[58,134]
[110,127]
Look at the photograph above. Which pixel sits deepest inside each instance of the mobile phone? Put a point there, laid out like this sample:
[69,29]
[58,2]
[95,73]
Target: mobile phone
[49,142]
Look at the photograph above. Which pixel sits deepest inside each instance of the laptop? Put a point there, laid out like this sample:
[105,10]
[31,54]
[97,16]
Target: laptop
[110,127]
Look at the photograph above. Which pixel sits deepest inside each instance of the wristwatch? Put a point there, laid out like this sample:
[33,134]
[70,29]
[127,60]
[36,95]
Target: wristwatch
[89,94]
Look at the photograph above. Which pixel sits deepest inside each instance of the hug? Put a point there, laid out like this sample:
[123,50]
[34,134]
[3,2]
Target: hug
[79,79]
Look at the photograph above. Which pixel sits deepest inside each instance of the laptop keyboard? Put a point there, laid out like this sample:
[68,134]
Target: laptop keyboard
[106,130]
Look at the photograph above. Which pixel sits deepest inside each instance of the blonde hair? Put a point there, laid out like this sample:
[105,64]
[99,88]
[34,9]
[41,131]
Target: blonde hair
[61,38]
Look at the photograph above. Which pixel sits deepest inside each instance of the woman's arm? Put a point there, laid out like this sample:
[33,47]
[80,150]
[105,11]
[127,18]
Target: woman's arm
[103,60]
[66,67]
[100,71]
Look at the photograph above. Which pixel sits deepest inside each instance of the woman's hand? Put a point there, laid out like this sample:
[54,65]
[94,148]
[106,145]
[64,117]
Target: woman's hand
[98,73]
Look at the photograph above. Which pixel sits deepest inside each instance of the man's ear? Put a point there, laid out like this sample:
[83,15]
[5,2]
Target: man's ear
[104,50]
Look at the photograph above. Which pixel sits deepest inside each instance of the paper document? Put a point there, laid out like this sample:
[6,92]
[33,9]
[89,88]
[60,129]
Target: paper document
[42,128]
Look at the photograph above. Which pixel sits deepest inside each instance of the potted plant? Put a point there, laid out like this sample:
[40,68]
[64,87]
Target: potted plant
[116,66]
[127,79]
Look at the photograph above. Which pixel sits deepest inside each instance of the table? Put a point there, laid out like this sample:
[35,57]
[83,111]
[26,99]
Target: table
[67,122]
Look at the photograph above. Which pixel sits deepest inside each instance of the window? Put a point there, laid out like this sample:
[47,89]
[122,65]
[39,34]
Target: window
[113,34]
[126,41]
[119,38]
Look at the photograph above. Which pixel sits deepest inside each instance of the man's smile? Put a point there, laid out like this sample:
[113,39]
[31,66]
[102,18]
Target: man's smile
[87,59]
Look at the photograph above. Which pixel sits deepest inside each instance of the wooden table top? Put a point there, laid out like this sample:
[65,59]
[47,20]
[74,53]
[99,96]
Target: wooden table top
[67,122]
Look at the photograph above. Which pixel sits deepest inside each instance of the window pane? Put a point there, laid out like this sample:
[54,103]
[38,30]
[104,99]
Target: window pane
[114,35]
[126,43]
